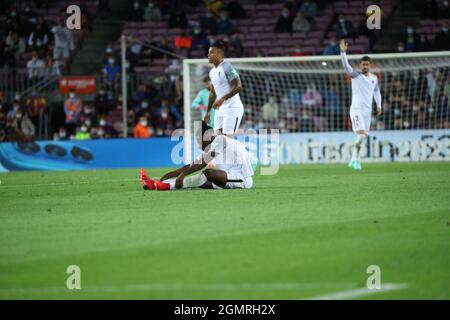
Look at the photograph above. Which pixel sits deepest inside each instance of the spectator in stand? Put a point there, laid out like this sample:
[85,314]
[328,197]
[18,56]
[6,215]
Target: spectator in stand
[199,40]
[136,12]
[111,72]
[152,13]
[235,10]
[224,26]
[26,128]
[332,48]
[72,109]
[36,106]
[423,44]
[309,8]
[40,37]
[236,47]
[400,47]
[12,41]
[52,67]
[284,22]
[177,19]
[82,133]
[24,28]
[35,67]
[171,108]
[63,42]
[270,109]
[444,10]
[333,107]
[312,98]
[141,129]
[102,101]
[105,130]
[344,28]
[214,6]
[298,52]
[16,107]
[411,39]
[442,40]
[164,122]
[300,23]
[209,24]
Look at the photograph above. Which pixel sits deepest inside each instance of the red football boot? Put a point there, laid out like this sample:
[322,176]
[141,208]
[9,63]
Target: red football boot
[147,182]
[162,186]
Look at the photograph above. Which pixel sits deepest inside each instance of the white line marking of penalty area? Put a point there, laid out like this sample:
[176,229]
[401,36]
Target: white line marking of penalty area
[180,287]
[355,293]
[3,186]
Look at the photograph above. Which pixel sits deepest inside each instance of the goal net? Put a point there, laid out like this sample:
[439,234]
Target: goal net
[313,94]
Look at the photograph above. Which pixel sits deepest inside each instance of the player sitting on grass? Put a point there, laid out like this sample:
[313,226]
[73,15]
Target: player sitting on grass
[233,167]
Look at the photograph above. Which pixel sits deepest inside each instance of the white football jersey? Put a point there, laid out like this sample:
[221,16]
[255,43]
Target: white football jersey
[364,88]
[232,155]
[221,78]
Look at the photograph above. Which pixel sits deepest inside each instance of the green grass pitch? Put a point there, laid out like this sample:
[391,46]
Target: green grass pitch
[310,230]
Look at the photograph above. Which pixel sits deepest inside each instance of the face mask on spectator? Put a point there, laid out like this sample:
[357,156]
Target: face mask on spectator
[71,95]
[13,13]
[164,114]
[62,134]
[109,50]
[100,132]
[410,30]
[83,129]
[144,105]
[38,43]
[445,29]
[102,123]
[87,111]
[111,60]
[87,123]
[136,4]
[17,97]
[18,115]
[285,13]
[143,122]
[16,107]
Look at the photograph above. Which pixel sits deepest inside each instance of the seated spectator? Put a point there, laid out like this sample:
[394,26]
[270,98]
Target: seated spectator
[209,24]
[63,42]
[344,28]
[309,8]
[214,6]
[235,10]
[35,106]
[236,47]
[411,39]
[400,47]
[284,22]
[102,101]
[444,10]
[141,129]
[52,67]
[312,97]
[442,40]
[136,12]
[111,72]
[16,107]
[423,44]
[152,13]
[35,67]
[82,133]
[224,26]
[40,37]
[177,19]
[270,109]
[332,48]
[300,23]
[106,130]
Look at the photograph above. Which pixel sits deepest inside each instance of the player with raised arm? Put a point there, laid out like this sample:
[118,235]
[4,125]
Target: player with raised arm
[224,95]
[233,167]
[365,89]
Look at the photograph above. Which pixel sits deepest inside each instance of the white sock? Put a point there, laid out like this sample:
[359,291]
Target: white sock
[357,147]
[194,181]
[171,182]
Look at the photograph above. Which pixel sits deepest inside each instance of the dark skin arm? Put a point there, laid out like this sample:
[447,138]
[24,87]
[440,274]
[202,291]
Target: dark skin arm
[175,173]
[236,87]
[212,98]
[193,167]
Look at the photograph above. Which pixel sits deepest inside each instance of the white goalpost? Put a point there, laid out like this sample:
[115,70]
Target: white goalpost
[313,94]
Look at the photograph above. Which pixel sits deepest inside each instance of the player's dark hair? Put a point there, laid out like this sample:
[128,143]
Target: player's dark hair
[205,79]
[219,44]
[366,58]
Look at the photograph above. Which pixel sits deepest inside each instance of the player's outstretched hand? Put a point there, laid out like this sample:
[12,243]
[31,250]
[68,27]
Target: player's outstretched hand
[207,117]
[218,103]
[378,111]
[343,45]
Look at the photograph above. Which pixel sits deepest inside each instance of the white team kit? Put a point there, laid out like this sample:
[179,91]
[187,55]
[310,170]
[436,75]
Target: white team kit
[228,117]
[364,90]
[235,160]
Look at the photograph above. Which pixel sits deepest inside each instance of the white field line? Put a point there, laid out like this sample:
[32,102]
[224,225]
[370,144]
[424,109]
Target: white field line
[3,186]
[356,293]
[260,287]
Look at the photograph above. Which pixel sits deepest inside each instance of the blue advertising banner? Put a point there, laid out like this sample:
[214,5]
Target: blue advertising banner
[87,154]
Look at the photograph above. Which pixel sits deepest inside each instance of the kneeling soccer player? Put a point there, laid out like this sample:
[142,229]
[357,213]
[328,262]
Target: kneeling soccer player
[232,162]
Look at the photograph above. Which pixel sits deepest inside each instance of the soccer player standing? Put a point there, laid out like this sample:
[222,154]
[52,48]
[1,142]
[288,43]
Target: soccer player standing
[224,95]
[365,89]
